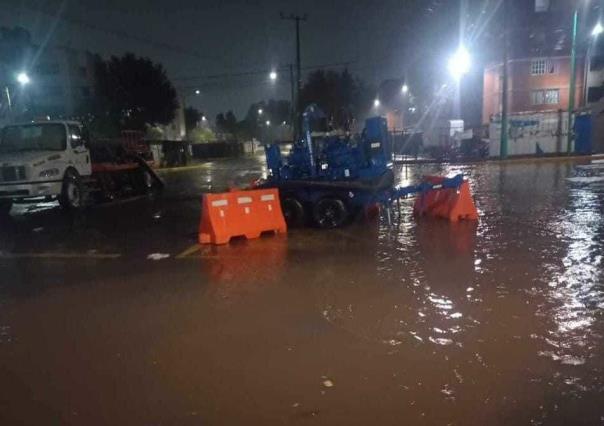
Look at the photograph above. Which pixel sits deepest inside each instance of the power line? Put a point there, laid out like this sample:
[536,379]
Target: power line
[259,72]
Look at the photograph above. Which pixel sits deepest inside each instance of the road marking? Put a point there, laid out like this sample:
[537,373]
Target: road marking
[100,256]
[188,252]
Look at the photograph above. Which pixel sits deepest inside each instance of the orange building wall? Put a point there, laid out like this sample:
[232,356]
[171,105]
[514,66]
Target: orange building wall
[522,83]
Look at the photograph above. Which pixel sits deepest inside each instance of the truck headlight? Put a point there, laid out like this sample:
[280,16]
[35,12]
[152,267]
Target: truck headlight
[49,173]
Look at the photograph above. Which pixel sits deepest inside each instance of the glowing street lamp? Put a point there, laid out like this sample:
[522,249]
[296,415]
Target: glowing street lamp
[260,111]
[268,122]
[197,92]
[376,103]
[23,79]
[273,75]
[460,63]
[405,89]
[598,29]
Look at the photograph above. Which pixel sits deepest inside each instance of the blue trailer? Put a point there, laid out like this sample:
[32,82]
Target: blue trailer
[327,180]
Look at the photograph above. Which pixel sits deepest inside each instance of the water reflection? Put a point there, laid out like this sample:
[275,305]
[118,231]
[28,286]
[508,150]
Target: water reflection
[576,293]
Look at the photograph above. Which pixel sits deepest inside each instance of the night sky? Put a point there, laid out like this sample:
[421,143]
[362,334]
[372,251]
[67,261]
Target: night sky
[197,39]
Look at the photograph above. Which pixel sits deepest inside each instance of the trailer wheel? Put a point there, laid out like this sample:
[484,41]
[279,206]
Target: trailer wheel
[330,213]
[72,194]
[293,211]
[5,206]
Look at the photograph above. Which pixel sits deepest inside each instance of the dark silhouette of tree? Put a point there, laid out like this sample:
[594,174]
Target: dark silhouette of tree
[341,97]
[192,118]
[220,123]
[135,91]
[230,123]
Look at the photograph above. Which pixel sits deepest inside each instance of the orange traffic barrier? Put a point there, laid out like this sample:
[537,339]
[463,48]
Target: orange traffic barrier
[240,213]
[453,204]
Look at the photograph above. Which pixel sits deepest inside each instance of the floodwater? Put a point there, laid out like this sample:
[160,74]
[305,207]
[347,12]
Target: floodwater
[419,322]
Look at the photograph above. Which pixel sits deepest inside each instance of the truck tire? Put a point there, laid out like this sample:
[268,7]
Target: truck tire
[293,212]
[72,193]
[5,206]
[330,213]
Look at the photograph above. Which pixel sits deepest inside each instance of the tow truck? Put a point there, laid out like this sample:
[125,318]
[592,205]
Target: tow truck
[57,160]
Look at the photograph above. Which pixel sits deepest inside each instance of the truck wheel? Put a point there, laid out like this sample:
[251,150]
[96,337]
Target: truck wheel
[5,206]
[72,194]
[330,213]
[293,211]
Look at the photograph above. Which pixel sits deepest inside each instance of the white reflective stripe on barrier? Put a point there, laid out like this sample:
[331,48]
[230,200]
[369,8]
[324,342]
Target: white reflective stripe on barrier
[247,210]
[269,197]
[244,200]
[220,203]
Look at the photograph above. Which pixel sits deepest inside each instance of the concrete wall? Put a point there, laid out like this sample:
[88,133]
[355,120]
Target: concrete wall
[548,130]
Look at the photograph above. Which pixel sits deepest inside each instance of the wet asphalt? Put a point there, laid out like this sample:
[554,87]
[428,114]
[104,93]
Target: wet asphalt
[418,322]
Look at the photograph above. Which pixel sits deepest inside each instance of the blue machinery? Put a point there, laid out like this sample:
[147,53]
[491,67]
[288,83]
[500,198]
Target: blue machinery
[329,179]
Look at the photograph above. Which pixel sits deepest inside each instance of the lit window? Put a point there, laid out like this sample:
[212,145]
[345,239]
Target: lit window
[543,66]
[545,97]
[537,97]
[552,97]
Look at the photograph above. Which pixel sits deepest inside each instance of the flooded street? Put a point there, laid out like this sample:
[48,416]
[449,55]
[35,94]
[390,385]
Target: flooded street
[420,322]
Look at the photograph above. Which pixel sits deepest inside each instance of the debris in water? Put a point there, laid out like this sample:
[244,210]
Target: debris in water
[158,256]
[328,383]
[39,229]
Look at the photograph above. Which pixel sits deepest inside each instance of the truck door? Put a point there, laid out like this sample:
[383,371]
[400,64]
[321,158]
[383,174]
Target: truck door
[81,155]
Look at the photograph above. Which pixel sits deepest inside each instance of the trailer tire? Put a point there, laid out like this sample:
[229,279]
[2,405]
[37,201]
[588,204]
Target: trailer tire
[5,207]
[330,213]
[293,212]
[72,193]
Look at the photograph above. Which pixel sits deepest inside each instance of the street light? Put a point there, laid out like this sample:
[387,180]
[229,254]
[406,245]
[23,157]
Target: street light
[376,103]
[23,78]
[203,118]
[598,29]
[460,63]
[197,92]
[405,89]
[268,122]
[273,75]
[260,111]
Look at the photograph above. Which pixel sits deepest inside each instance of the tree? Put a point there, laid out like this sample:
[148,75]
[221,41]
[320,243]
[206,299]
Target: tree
[341,97]
[135,91]
[192,118]
[230,123]
[220,123]
[202,135]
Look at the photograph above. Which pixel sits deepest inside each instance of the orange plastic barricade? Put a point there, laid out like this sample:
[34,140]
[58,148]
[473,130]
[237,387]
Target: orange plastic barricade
[240,213]
[452,204]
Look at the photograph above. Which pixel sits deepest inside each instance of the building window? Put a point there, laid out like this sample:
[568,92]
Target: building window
[543,66]
[545,97]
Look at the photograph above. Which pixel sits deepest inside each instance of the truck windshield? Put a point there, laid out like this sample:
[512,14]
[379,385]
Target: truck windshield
[33,137]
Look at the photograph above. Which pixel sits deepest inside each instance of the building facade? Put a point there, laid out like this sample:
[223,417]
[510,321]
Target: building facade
[63,82]
[535,84]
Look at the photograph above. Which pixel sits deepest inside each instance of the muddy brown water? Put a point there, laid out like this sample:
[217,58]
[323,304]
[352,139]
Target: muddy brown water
[420,322]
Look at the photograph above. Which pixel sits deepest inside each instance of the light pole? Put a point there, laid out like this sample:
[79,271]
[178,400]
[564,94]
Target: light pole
[573,82]
[23,80]
[597,30]
[459,65]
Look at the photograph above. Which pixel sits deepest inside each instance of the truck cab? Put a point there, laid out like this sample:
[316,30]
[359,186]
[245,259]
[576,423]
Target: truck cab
[46,159]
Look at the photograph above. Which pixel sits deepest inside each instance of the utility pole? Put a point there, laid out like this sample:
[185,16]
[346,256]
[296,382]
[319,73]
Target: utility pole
[573,82]
[503,142]
[8,99]
[297,19]
[293,98]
